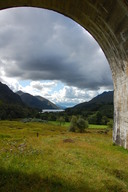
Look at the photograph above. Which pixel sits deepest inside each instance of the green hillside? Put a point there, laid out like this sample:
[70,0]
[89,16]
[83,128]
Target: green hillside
[102,103]
[11,105]
[36,102]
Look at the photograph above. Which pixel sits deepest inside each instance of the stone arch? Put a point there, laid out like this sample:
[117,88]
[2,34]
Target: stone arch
[107,21]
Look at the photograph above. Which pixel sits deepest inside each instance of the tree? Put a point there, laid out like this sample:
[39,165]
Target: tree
[104,120]
[98,118]
[82,124]
[61,120]
[92,119]
[78,124]
[110,124]
[3,114]
[73,124]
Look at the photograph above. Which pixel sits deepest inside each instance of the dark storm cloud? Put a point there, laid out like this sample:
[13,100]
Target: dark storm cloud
[37,44]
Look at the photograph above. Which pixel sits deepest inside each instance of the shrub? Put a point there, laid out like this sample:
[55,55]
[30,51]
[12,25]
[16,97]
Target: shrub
[104,120]
[110,124]
[82,124]
[61,120]
[78,125]
[72,129]
[73,124]
[92,119]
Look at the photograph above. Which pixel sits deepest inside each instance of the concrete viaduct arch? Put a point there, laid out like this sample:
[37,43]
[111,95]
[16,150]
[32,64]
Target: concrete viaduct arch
[107,21]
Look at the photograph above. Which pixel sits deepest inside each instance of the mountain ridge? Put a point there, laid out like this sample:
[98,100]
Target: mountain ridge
[103,98]
[37,102]
[102,103]
[8,96]
[11,105]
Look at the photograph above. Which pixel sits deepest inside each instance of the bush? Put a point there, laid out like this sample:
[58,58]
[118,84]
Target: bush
[82,124]
[110,124]
[61,120]
[92,119]
[104,120]
[73,124]
[72,129]
[96,118]
[78,125]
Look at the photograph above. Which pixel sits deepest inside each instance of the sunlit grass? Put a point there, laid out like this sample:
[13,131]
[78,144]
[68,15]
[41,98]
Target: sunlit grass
[67,124]
[39,157]
[92,126]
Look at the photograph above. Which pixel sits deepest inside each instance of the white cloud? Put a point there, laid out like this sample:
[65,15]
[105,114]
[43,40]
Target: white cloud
[70,96]
[13,84]
[43,85]
[40,45]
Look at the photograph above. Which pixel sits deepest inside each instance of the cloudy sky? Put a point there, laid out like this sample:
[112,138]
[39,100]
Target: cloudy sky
[45,53]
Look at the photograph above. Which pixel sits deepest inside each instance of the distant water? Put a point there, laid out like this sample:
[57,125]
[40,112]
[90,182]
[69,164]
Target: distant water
[52,110]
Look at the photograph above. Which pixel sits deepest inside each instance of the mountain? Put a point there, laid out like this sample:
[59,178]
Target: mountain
[102,103]
[104,98]
[8,96]
[47,103]
[37,102]
[11,105]
[19,93]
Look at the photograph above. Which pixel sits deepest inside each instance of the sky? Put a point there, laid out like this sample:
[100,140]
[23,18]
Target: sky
[45,53]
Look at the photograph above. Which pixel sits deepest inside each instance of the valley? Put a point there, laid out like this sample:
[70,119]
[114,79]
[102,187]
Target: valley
[43,152]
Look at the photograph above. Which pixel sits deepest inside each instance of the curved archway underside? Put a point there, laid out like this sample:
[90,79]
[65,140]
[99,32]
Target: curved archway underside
[107,21]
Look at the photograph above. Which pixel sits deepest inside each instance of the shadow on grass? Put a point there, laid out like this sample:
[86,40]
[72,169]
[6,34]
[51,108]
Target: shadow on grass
[14,181]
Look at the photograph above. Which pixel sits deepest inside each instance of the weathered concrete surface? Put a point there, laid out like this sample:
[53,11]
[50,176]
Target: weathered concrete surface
[107,21]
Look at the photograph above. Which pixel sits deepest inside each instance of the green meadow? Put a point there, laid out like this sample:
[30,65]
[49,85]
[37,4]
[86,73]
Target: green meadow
[38,157]
[67,124]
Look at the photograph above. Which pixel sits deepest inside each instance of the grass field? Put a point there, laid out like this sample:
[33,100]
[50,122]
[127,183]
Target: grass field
[67,124]
[37,157]
[92,126]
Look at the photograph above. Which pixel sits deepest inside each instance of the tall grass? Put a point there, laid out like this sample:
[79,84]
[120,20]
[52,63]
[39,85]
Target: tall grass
[55,160]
